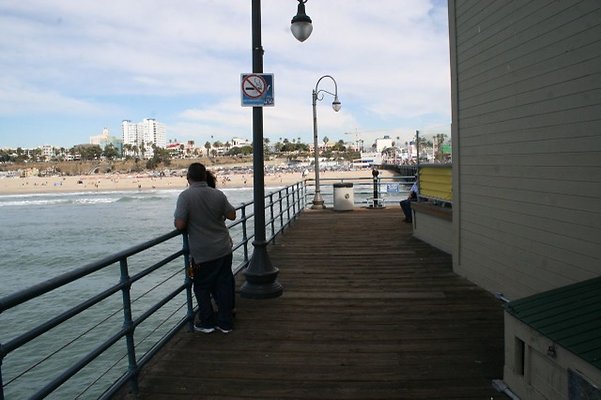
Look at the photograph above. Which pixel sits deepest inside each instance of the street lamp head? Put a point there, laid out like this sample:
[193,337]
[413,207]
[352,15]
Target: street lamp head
[301,23]
[336,105]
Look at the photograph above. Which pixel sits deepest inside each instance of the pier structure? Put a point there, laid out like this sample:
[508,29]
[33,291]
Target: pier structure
[368,312]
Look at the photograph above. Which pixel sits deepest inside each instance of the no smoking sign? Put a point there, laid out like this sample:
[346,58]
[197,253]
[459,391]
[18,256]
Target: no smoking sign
[257,90]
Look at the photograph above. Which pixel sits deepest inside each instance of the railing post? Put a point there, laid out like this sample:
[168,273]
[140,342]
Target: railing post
[271,219]
[188,281]
[281,210]
[1,381]
[244,234]
[294,203]
[129,327]
[288,202]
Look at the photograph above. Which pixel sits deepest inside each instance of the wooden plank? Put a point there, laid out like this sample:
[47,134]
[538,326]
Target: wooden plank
[368,312]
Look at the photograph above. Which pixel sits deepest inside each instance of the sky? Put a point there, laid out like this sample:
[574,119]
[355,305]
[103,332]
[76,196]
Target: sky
[70,68]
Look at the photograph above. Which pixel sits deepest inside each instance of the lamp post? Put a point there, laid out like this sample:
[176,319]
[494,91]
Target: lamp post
[261,275]
[318,94]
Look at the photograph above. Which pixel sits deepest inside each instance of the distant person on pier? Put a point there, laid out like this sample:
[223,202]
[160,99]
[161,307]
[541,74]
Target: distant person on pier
[406,204]
[202,210]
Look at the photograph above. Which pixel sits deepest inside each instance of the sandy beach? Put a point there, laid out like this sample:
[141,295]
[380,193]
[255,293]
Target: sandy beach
[143,181]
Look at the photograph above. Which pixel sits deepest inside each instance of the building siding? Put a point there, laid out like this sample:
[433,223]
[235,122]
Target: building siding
[526,80]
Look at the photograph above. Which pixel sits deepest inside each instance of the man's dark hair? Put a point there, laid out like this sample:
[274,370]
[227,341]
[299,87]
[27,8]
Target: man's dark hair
[197,172]
[211,179]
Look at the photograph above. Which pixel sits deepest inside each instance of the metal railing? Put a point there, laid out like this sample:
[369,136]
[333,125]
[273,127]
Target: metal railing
[380,190]
[152,309]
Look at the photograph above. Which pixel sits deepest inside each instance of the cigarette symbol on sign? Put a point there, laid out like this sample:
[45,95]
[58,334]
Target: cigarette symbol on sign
[254,86]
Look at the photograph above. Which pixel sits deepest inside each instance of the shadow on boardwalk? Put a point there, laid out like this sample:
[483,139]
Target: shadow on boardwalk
[368,312]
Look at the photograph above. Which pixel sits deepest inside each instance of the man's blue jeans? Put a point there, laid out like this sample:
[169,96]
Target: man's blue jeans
[215,278]
[406,206]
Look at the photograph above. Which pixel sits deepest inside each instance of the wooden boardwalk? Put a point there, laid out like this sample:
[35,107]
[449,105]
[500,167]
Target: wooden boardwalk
[368,312]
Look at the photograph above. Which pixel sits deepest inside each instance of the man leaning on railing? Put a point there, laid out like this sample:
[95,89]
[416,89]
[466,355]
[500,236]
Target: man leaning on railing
[202,210]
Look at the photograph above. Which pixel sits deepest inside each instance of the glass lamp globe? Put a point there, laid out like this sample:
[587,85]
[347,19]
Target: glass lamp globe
[336,105]
[301,23]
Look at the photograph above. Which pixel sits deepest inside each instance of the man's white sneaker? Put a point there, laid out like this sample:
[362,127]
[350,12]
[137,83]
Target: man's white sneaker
[204,329]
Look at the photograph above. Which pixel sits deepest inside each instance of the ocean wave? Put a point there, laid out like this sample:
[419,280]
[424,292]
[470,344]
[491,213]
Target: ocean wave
[140,198]
[83,198]
[97,200]
[33,202]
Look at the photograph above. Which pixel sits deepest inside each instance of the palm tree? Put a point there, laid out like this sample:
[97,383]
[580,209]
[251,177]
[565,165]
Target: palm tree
[439,139]
[325,142]
[125,150]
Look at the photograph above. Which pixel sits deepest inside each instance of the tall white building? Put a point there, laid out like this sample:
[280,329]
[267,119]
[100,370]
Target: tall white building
[144,134]
[383,143]
[153,132]
[130,133]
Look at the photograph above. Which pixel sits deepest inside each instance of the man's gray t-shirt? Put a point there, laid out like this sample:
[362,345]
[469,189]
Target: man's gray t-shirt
[204,209]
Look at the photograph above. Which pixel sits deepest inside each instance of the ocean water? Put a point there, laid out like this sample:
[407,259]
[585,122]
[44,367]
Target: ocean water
[45,235]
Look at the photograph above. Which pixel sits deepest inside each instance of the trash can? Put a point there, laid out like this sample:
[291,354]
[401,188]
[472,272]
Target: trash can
[344,199]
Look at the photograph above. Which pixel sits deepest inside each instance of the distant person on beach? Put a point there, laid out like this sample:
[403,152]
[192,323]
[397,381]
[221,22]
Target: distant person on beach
[202,210]
[406,204]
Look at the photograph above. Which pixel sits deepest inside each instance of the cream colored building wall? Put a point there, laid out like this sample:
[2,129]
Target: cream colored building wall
[433,230]
[526,87]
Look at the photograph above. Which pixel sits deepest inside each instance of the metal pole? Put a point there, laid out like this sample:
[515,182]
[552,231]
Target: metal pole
[317,199]
[375,173]
[417,147]
[260,274]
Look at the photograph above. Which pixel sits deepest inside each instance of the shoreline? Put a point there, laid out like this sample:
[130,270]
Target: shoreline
[132,182]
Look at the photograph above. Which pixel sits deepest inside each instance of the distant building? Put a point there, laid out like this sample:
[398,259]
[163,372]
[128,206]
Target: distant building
[105,139]
[239,142]
[143,135]
[29,172]
[383,143]
[48,152]
[368,160]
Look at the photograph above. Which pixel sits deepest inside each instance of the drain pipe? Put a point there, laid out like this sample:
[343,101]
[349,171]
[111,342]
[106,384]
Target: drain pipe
[500,296]
[498,384]
[502,387]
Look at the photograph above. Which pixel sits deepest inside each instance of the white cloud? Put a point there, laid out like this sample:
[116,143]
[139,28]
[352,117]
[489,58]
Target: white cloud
[19,100]
[389,57]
